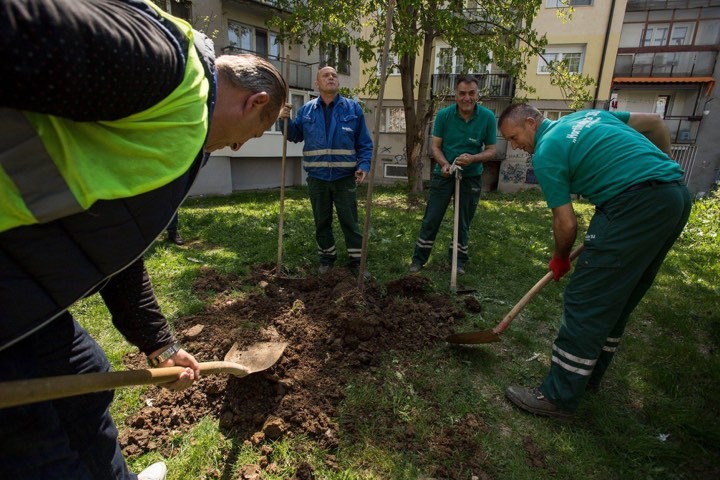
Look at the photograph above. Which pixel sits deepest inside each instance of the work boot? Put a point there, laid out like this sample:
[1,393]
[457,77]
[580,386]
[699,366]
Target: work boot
[324,268]
[533,401]
[415,267]
[174,237]
[156,471]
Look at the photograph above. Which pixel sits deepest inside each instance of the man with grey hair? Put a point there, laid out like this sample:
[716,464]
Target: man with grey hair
[620,162]
[107,115]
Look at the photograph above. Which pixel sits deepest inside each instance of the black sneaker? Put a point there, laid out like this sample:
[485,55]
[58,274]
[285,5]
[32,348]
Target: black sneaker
[174,237]
[533,401]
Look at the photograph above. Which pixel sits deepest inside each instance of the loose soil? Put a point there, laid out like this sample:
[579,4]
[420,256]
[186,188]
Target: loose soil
[333,329]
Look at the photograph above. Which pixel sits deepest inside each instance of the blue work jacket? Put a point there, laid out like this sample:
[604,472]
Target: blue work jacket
[345,148]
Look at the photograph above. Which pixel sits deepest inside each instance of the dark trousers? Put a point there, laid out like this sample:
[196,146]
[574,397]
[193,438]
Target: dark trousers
[342,194]
[625,245]
[71,438]
[172,227]
[442,190]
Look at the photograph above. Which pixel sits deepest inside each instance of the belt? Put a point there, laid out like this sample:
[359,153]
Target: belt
[648,183]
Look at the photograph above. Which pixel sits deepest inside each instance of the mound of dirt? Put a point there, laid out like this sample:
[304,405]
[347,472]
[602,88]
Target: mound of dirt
[332,329]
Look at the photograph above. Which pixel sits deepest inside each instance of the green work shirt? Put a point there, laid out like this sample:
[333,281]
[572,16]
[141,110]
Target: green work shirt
[460,136]
[594,153]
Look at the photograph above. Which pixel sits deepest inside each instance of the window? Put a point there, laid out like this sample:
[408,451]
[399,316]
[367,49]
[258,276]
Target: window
[571,55]
[395,171]
[392,120]
[656,35]
[555,114]
[568,3]
[449,60]
[392,65]
[336,56]
[255,40]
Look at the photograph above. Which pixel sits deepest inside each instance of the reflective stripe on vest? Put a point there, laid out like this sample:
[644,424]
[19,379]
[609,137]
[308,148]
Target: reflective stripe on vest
[307,164]
[327,151]
[26,162]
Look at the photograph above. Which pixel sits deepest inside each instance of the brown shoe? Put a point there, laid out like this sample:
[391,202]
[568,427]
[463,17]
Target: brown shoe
[533,401]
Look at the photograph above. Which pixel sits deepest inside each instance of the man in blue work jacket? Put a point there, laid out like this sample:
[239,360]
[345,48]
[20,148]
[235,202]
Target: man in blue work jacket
[336,157]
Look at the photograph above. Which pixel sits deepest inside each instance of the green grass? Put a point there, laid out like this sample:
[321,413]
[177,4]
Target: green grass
[657,417]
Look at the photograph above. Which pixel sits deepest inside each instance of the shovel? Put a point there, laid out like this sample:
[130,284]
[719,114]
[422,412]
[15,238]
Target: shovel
[456,223]
[490,336]
[256,358]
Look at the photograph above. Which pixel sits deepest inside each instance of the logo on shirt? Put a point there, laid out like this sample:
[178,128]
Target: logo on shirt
[473,140]
[590,119]
[347,129]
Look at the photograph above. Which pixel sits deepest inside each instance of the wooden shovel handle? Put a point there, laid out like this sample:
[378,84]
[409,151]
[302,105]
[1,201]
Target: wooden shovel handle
[21,392]
[456,229]
[531,293]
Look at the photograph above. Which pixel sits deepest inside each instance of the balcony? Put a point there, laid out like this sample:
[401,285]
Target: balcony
[491,85]
[665,64]
[300,73]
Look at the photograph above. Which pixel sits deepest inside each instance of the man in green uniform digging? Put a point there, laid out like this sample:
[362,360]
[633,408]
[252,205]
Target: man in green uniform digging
[464,134]
[620,162]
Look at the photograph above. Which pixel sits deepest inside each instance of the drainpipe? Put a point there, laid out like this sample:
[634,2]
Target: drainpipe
[604,51]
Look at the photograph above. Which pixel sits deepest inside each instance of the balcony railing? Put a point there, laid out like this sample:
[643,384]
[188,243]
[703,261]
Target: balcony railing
[300,73]
[665,64]
[491,85]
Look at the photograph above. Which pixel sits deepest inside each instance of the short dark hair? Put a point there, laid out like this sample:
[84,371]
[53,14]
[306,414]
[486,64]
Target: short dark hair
[519,111]
[464,78]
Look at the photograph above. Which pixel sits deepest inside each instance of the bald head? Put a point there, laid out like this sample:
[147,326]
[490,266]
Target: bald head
[327,81]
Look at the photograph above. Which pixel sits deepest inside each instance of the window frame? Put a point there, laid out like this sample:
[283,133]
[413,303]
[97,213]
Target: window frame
[560,52]
[385,120]
[571,3]
[273,49]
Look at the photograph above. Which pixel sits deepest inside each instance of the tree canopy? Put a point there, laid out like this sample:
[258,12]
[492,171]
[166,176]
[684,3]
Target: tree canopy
[483,32]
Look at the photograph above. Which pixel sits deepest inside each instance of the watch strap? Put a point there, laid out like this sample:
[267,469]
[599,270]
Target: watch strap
[164,355]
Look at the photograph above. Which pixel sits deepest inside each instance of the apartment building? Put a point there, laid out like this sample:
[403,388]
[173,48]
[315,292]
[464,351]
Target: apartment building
[240,26]
[645,56]
[667,63]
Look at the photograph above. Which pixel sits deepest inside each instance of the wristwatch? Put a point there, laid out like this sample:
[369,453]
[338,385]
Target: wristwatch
[164,355]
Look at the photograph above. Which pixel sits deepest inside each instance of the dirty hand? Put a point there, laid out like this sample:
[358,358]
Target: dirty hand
[285,111]
[559,266]
[360,175]
[186,378]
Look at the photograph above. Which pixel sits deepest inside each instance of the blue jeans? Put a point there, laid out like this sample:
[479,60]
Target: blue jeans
[70,438]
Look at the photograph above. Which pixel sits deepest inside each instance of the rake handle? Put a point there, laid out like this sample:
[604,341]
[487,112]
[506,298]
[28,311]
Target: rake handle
[21,392]
[519,306]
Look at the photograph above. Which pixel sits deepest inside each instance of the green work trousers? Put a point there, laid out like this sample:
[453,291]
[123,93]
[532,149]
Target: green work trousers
[342,194]
[442,190]
[625,245]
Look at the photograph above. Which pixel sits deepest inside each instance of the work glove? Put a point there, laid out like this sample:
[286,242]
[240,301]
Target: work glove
[559,266]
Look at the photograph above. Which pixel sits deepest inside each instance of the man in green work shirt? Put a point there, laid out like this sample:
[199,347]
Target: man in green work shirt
[464,134]
[620,162]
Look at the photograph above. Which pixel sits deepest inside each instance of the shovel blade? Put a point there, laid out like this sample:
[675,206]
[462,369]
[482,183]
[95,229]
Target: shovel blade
[471,338]
[256,357]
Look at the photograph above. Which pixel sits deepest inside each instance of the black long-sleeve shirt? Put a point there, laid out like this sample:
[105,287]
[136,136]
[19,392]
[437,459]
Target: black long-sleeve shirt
[91,60]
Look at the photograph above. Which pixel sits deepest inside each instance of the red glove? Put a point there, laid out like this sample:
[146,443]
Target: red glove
[559,266]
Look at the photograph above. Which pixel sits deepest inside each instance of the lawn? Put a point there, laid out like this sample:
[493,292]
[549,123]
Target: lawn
[655,418]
